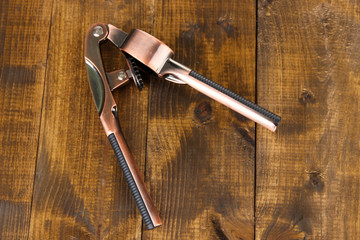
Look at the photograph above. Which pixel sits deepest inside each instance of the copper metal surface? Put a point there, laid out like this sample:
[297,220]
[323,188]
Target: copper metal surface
[108,116]
[177,70]
[147,49]
[157,56]
[115,81]
[139,181]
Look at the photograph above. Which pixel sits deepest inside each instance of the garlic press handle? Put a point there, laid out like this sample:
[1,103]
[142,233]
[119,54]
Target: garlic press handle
[157,56]
[107,109]
[221,94]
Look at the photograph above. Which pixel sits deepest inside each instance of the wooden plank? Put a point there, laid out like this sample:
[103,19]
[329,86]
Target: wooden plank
[24,35]
[200,154]
[308,71]
[80,192]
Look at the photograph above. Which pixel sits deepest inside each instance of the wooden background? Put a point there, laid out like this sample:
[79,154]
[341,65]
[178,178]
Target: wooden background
[212,173]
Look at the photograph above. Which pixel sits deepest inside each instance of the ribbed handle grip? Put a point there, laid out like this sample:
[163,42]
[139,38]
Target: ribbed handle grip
[132,184]
[275,118]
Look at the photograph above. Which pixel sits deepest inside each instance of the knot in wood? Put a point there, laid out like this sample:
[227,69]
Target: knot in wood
[307,97]
[315,181]
[203,112]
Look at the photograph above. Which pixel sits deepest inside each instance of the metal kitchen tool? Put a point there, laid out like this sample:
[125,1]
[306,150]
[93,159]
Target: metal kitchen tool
[141,48]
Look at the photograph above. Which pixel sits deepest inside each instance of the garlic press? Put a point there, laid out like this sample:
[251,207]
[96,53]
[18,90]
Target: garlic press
[143,51]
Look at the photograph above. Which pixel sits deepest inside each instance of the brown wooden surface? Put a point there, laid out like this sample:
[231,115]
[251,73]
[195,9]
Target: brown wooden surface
[308,174]
[24,36]
[212,174]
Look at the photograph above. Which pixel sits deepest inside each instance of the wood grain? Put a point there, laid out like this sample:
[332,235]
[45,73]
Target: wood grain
[24,35]
[209,170]
[80,192]
[307,183]
[200,154]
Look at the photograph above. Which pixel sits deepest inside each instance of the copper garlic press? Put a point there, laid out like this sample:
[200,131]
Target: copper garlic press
[141,48]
